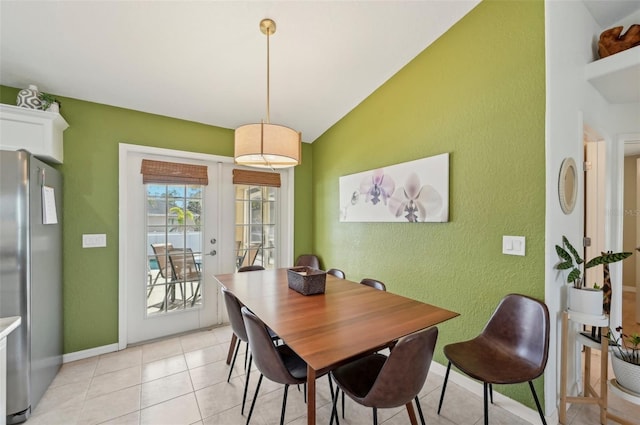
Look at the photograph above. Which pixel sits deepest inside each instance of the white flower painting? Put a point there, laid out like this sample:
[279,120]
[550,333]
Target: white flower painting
[411,192]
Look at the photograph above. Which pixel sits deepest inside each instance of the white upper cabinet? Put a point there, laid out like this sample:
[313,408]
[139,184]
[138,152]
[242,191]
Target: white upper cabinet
[36,131]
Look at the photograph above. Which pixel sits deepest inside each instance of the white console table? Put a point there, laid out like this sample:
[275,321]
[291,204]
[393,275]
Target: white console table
[7,325]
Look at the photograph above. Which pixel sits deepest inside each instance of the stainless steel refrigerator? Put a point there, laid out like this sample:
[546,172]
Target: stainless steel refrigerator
[30,277]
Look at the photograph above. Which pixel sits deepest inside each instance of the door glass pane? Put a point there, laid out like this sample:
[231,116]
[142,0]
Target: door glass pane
[255,228]
[173,247]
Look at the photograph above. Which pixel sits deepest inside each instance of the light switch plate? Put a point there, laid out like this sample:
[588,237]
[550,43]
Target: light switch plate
[513,245]
[94,240]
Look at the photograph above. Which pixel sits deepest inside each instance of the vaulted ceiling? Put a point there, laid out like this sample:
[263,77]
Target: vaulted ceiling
[205,61]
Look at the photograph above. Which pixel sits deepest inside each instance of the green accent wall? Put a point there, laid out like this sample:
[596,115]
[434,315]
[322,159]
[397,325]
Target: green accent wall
[90,203]
[478,93]
[303,220]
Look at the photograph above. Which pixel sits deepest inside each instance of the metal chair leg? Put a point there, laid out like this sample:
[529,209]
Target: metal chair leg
[444,387]
[334,409]
[486,403]
[337,390]
[246,354]
[375,416]
[491,393]
[284,403]
[246,386]
[535,397]
[420,411]
[255,397]
[233,362]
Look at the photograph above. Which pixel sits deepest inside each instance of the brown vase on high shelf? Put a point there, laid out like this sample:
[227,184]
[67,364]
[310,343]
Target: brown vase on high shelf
[612,41]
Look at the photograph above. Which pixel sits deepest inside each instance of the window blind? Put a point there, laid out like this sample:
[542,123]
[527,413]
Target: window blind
[173,172]
[256,178]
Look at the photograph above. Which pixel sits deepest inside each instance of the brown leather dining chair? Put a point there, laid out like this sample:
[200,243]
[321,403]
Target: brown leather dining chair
[375,284]
[279,364]
[308,260]
[234,307]
[234,338]
[379,381]
[512,348]
[250,268]
[337,273]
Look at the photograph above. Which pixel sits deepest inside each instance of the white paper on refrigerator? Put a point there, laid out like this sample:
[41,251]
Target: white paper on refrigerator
[49,215]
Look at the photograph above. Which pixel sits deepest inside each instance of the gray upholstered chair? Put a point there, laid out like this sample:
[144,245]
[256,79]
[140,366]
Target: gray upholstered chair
[512,348]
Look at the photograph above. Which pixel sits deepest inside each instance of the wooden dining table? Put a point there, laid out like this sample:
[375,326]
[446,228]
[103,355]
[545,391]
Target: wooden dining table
[327,330]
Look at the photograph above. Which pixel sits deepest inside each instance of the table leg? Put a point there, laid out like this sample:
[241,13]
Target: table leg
[311,396]
[412,413]
[232,346]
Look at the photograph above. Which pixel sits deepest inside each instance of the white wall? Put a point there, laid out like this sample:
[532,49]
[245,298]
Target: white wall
[571,35]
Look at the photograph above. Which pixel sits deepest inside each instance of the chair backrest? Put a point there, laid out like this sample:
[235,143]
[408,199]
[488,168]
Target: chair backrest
[251,254]
[266,356]
[405,370]
[337,273]
[376,284]
[308,260]
[161,252]
[184,264]
[520,325]
[250,268]
[234,311]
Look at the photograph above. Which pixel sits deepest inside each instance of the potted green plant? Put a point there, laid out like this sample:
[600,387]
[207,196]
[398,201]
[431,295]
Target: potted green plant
[625,359]
[49,102]
[583,299]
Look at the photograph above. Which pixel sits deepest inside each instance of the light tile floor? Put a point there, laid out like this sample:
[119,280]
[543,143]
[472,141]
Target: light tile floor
[183,380]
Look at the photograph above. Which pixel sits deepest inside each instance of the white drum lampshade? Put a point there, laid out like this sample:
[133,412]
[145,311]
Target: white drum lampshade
[267,146]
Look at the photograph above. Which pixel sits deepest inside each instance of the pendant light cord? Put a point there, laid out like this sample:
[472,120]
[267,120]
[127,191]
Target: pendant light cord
[268,112]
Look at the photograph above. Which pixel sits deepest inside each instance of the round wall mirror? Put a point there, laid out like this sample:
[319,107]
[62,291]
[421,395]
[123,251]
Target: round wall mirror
[568,185]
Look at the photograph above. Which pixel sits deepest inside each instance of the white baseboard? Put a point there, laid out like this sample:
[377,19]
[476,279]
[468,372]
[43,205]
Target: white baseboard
[91,352]
[508,404]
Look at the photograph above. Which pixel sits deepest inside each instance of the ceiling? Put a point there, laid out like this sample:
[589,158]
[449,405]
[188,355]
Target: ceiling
[205,61]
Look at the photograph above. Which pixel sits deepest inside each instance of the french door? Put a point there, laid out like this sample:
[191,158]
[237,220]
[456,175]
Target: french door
[172,242]
[174,237]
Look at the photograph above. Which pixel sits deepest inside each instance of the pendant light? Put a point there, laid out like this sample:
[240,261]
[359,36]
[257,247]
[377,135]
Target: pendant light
[267,145]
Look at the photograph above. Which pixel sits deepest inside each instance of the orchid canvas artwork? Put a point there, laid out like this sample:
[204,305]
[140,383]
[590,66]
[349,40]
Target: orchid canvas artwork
[411,192]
